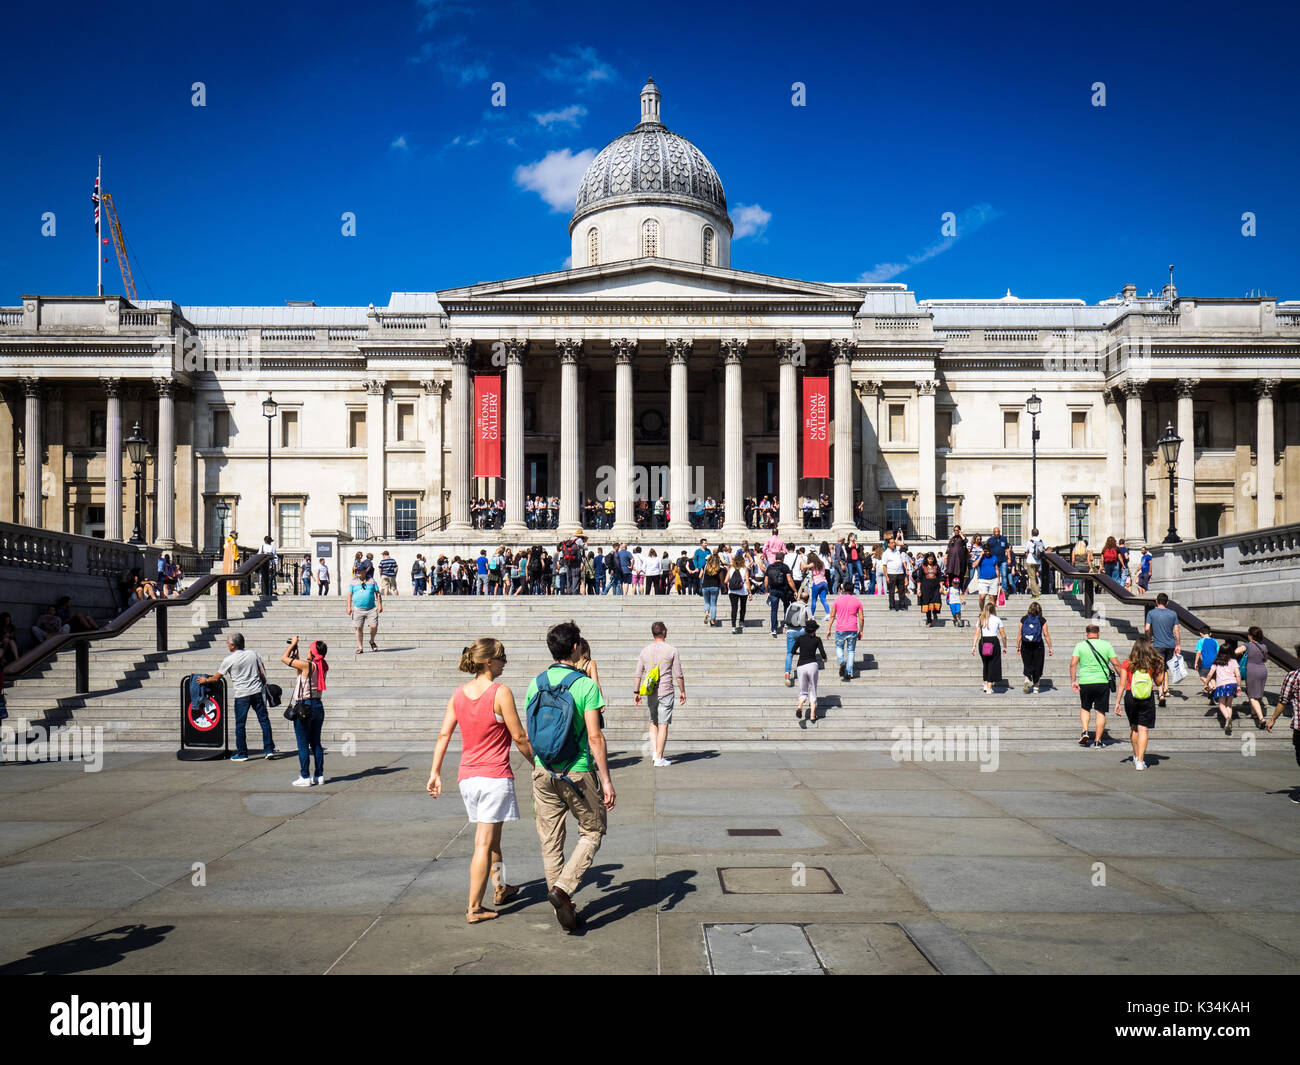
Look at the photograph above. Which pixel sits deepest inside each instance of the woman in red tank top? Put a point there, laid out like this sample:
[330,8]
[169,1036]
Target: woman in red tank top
[485,712]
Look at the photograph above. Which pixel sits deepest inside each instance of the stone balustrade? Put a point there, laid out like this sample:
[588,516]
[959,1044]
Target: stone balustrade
[23,547]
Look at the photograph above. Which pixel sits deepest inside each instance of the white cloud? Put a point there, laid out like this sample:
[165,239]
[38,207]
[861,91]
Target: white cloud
[568,263]
[749,220]
[556,176]
[581,67]
[968,221]
[433,11]
[452,60]
[566,116]
[399,142]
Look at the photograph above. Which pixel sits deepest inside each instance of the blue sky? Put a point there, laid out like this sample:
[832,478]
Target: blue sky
[384,110]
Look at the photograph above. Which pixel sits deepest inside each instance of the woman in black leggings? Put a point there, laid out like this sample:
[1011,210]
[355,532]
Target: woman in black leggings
[737,584]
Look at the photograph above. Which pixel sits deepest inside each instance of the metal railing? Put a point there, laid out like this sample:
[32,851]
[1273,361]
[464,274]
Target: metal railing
[1091,582]
[80,641]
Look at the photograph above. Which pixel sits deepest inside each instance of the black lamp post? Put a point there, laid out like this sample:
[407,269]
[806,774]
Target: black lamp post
[136,450]
[223,515]
[269,407]
[1169,445]
[1034,407]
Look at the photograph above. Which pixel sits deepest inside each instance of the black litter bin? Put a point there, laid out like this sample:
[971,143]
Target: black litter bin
[203,726]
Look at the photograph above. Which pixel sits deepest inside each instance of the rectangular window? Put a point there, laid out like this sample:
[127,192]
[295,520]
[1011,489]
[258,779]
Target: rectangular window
[1079,429]
[98,420]
[404,519]
[406,421]
[1201,428]
[1010,429]
[944,519]
[1013,526]
[221,428]
[897,423]
[358,526]
[356,428]
[288,428]
[943,428]
[896,515]
[92,524]
[1079,523]
[774,412]
[290,525]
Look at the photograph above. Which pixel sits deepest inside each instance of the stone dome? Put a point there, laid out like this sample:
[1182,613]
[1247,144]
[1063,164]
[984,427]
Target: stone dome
[651,164]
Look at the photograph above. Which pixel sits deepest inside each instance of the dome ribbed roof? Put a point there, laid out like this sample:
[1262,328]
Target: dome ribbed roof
[651,162]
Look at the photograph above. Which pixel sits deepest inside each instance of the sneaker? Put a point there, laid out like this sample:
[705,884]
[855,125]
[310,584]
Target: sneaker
[239,758]
[789,681]
[1295,797]
[1028,687]
[320,780]
[272,753]
[775,634]
[1227,729]
[1160,702]
[1139,766]
[661,762]
[1083,739]
[1097,745]
[303,782]
[1034,690]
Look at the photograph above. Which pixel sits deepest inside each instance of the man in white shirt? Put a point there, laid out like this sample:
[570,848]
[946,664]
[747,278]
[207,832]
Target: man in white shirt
[247,675]
[895,562]
[1033,559]
[268,572]
[322,579]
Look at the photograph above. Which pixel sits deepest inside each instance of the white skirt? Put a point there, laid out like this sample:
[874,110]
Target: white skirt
[489,800]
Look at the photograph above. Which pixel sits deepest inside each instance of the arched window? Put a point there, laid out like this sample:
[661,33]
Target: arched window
[708,246]
[593,246]
[649,237]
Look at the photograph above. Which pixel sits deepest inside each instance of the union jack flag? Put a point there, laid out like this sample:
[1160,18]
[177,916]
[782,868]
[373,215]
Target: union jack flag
[94,198]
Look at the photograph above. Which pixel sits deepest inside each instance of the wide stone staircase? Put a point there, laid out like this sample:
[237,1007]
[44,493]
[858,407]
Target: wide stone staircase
[395,699]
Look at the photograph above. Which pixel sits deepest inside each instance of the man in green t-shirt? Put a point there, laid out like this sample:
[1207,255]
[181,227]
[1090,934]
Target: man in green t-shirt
[1090,667]
[585,794]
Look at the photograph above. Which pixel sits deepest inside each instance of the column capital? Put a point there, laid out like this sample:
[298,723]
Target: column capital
[375,386]
[516,348]
[868,389]
[112,386]
[459,349]
[568,349]
[927,388]
[842,349]
[31,387]
[733,350]
[1132,388]
[165,387]
[789,351]
[679,350]
[1265,387]
[624,348]
[1185,387]
[434,388]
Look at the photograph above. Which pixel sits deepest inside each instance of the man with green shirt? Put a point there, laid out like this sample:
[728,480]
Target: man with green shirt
[580,791]
[1090,667]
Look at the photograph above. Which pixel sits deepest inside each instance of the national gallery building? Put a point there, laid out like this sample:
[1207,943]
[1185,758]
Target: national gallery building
[651,366]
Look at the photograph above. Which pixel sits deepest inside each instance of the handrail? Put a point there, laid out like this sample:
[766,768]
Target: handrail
[80,641]
[1116,590]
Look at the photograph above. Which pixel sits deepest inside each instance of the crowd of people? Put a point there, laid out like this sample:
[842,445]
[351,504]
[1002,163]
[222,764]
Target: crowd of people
[705,512]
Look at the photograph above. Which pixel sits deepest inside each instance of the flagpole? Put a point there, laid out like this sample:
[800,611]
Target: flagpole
[99,255]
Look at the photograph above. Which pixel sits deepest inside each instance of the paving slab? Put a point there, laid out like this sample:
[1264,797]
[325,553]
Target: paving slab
[879,949]
[95,886]
[970,836]
[1089,804]
[760,950]
[1154,838]
[18,836]
[747,802]
[950,803]
[1220,885]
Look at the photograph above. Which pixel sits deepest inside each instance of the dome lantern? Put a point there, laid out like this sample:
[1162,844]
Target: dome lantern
[650,104]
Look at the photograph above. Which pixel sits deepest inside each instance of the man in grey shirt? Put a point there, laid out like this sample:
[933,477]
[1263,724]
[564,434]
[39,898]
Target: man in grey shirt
[662,699]
[247,675]
[1162,627]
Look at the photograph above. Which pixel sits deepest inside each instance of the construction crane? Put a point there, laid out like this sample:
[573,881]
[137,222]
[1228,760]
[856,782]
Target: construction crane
[119,245]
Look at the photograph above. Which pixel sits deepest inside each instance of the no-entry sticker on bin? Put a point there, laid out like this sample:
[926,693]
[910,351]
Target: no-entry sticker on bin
[206,717]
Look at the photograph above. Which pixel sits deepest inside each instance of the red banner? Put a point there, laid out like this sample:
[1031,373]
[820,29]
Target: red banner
[487,426]
[816,427]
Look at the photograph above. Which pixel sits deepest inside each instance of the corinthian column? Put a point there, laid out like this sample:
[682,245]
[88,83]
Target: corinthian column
[842,505]
[926,480]
[733,520]
[1134,488]
[1265,504]
[113,459]
[679,353]
[32,453]
[1114,464]
[568,349]
[1186,388]
[459,350]
[375,470]
[166,502]
[788,426]
[624,521]
[515,350]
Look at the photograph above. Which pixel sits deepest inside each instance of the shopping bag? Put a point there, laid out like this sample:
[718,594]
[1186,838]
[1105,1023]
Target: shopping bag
[1002,597]
[1177,669]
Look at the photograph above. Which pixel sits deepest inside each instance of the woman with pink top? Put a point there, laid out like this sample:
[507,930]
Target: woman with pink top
[485,711]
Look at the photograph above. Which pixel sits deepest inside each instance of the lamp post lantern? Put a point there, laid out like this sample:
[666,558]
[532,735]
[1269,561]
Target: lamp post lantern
[137,448]
[1034,407]
[269,407]
[223,516]
[1169,445]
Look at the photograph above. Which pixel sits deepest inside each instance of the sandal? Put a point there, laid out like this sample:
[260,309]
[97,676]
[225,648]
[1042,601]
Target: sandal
[372,646]
[504,893]
[359,651]
[480,915]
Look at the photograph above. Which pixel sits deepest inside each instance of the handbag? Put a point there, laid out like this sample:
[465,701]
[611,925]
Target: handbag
[298,710]
[1109,671]
[986,648]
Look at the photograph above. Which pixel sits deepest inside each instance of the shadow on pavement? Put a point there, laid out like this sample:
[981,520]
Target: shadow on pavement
[87,952]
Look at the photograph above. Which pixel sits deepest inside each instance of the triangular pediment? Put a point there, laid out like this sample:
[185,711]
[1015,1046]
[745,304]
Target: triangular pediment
[650,279]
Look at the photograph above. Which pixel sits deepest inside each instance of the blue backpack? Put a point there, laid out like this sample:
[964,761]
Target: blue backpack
[1031,627]
[550,715]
